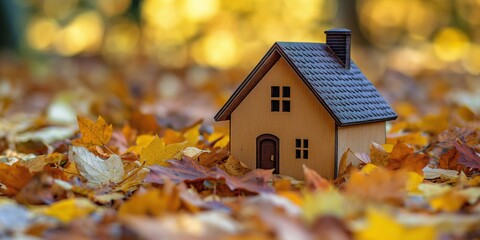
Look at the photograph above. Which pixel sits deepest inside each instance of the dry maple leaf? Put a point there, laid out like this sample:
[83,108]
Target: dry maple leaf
[469,157]
[14,178]
[449,160]
[157,152]
[314,181]
[381,185]
[378,155]
[403,157]
[188,170]
[96,170]
[93,133]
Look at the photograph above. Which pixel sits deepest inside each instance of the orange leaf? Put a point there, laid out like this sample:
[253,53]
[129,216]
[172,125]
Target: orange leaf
[14,178]
[379,185]
[314,181]
[403,157]
[93,133]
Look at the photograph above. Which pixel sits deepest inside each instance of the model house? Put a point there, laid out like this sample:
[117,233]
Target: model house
[305,103]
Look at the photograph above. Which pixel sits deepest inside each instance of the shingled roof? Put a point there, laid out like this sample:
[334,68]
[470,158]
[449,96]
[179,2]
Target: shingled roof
[346,94]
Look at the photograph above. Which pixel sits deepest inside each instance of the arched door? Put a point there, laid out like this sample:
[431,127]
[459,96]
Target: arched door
[268,152]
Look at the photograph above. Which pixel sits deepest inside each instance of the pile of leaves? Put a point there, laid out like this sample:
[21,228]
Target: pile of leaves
[151,182]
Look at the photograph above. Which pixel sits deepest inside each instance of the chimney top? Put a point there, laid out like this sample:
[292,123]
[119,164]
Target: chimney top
[338,31]
[339,41]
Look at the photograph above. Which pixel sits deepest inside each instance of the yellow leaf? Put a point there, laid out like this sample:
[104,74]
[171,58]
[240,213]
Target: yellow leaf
[153,202]
[378,155]
[450,201]
[382,226]
[414,138]
[219,133]
[414,179]
[388,147]
[142,142]
[474,181]
[171,136]
[70,209]
[157,152]
[329,202]
[294,197]
[93,133]
[368,168]
[192,135]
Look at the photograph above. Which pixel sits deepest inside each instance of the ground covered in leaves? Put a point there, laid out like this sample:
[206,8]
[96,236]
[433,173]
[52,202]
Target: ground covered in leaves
[152,182]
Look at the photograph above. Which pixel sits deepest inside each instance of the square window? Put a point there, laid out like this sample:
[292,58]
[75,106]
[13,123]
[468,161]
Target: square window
[286,92]
[275,106]
[305,154]
[305,143]
[275,91]
[298,153]
[298,143]
[285,106]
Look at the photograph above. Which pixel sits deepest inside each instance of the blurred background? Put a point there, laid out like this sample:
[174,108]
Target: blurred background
[181,59]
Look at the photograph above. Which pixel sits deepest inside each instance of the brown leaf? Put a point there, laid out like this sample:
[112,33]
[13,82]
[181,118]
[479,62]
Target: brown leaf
[468,157]
[403,157]
[378,155]
[40,190]
[381,185]
[213,158]
[188,170]
[93,133]
[14,178]
[37,164]
[449,160]
[314,181]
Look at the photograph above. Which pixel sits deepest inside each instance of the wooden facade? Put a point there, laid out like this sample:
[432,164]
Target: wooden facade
[358,138]
[307,119]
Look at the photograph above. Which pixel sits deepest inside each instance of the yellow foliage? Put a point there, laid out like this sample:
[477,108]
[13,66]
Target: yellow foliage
[142,142]
[157,152]
[383,226]
[151,203]
[414,138]
[70,209]
[368,168]
[93,133]
[450,201]
[413,181]
[330,202]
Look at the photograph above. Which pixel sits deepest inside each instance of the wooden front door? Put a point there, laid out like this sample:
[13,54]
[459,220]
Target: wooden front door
[268,152]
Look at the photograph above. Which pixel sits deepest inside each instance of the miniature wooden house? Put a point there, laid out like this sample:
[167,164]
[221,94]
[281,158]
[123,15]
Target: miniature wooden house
[305,103]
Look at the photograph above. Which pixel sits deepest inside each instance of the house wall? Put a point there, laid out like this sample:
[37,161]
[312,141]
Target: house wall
[355,138]
[307,119]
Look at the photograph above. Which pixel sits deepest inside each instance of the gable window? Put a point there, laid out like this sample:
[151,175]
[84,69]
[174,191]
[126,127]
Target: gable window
[280,101]
[301,148]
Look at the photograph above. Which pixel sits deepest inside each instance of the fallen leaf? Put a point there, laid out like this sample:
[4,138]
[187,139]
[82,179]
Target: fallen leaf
[414,138]
[314,181]
[234,167]
[381,185]
[193,152]
[157,152]
[469,157]
[14,178]
[70,209]
[324,203]
[142,142]
[382,225]
[450,201]
[378,155]
[192,134]
[449,160]
[96,170]
[403,157]
[93,133]
[413,181]
[37,164]
[188,170]
[154,202]
[432,173]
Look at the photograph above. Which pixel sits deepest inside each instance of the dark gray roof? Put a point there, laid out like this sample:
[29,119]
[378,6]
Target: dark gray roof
[346,94]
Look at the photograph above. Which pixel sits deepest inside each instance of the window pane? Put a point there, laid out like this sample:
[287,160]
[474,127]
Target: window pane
[275,91]
[286,92]
[305,143]
[275,106]
[285,106]
[305,154]
[298,143]
[298,154]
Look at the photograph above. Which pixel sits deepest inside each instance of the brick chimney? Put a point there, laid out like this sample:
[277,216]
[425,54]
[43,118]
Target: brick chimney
[339,40]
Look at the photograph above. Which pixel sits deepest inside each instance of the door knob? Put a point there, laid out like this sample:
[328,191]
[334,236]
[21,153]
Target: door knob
[272,157]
